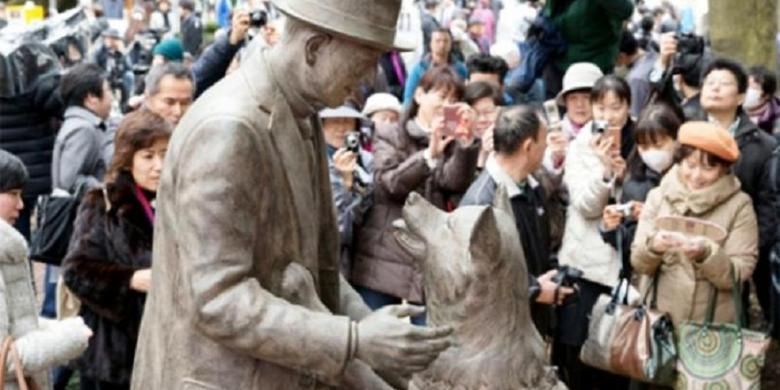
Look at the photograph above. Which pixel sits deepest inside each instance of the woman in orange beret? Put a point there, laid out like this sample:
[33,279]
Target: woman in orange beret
[700,185]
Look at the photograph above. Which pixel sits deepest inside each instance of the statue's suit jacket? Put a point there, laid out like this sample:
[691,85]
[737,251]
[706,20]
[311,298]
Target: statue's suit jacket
[244,193]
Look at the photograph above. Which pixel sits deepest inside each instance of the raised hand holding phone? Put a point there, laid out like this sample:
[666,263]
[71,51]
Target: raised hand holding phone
[439,136]
[553,115]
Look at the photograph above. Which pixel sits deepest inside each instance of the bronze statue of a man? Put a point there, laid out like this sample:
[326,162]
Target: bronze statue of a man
[246,291]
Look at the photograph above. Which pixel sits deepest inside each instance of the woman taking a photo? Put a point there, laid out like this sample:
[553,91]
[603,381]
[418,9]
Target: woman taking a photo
[594,171]
[108,264]
[420,154]
[700,185]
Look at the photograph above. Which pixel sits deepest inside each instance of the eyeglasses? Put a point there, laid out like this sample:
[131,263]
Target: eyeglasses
[720,83]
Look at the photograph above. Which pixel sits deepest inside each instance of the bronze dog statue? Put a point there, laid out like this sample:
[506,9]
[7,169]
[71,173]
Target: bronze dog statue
[476,281]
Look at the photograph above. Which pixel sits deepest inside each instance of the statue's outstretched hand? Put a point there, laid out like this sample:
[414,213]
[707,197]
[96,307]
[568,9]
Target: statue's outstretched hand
[388,343]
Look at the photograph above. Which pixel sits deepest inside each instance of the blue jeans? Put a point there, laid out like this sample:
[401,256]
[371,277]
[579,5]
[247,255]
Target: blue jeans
[49,307]
[375,300]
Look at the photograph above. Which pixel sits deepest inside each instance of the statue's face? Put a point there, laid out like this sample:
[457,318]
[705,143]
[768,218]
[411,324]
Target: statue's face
[340,67]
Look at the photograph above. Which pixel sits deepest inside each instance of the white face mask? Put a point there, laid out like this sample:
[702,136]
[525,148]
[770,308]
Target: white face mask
[752,98]
[658,160]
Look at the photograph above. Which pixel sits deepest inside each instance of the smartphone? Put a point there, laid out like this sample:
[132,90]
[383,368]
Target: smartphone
[553,115]
[614,134]
[451,120]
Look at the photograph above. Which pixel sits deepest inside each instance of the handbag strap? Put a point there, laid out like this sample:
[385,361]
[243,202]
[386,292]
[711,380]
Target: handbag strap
[736,295]
[8,347]
[627,278]
[20,379]
[3,356]
[654,288]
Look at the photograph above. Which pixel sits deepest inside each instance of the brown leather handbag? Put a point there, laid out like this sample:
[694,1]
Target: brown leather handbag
[633,341]
[24,383]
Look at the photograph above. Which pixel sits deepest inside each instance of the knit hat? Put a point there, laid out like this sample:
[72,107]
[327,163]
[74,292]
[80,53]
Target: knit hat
[582,75]
[710,138]
[381,102]
[13,174]
[171,49]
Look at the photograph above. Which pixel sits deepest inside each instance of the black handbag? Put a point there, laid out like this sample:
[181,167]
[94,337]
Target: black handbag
[54,225]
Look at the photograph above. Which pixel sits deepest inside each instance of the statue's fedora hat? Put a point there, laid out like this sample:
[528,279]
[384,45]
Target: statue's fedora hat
[371,22]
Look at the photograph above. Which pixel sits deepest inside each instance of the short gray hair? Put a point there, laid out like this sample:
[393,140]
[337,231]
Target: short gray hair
[156,74]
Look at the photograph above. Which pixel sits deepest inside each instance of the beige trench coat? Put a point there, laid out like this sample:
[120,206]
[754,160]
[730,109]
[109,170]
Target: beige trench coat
[244,193]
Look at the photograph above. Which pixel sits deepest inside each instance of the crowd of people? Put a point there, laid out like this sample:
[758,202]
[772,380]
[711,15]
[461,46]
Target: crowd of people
[653,126]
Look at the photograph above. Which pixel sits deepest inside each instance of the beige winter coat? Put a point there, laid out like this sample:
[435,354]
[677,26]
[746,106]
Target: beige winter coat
[684,286]
[42,345]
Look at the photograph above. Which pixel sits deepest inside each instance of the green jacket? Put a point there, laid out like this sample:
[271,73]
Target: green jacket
[591,29]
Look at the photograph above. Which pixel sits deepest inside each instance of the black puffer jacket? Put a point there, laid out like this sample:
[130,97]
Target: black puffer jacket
[28,126]
[107,248]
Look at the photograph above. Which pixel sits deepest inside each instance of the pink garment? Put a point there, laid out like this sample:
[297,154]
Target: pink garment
[489,20]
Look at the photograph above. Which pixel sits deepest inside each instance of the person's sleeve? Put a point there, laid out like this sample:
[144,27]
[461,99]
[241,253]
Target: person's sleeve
[411,84]
[46,348]
[643,259]
[609,236]
[765,206]
[640,91]
[617,9]
[77,150]
[220,218]
[213,63]
[740,250]
[396,176]
[549,165]
[588,191]
[457,172]
[352,304]
[97,280]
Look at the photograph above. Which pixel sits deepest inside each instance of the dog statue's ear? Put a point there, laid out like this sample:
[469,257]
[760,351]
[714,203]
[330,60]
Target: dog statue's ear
[485,242]
[501,200]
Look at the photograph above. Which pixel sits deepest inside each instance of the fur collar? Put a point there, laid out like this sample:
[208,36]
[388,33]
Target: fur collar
[13,246]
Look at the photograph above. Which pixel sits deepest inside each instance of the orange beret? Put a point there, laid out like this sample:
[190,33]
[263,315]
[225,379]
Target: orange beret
[710,138]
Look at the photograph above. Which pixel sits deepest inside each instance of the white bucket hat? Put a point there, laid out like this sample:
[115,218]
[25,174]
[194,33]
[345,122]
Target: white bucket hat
[340,112]
[380,102]
[579,76]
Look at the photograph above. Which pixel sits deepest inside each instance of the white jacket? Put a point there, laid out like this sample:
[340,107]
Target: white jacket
[43,344]
[583,246]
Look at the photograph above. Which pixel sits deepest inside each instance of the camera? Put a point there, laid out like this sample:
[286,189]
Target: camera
[624,209]
[258,18]
[567,276]
[598,127]
[690,49]
[352,141]
[689,43]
